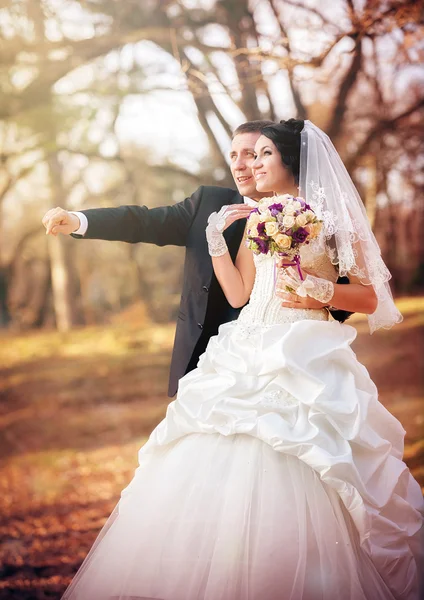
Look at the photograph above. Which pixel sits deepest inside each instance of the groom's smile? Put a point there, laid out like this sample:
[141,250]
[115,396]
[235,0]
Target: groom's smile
[242,156]
[243,179]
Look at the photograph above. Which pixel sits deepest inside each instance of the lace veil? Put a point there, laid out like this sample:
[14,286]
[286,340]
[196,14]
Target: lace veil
[346,236]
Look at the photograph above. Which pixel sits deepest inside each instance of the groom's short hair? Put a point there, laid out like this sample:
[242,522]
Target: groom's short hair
[251,127]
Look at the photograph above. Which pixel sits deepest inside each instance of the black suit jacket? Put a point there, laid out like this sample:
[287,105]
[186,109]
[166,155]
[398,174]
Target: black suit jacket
[203,306]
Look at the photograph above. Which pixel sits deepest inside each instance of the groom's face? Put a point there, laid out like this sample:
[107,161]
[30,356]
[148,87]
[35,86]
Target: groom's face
[242,157]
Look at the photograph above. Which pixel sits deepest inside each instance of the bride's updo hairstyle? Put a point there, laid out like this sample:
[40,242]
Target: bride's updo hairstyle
[286,137]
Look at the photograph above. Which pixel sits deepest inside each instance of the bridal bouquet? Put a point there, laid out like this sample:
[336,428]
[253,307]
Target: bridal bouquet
[281,225]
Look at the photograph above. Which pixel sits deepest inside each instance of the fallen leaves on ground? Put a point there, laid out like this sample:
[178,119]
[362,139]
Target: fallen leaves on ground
[75,409]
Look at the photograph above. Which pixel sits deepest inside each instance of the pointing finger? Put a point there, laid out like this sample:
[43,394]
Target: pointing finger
[54,220]
[48,215]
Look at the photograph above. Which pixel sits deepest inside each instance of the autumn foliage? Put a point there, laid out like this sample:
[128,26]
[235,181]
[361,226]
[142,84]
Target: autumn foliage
[77,406]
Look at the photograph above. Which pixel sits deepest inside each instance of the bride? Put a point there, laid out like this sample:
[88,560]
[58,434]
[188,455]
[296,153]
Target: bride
[276,473]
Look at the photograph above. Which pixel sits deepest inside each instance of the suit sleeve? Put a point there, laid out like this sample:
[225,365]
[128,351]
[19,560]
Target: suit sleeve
[165,225]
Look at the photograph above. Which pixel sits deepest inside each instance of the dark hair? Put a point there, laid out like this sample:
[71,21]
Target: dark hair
[286,137]
[251,127]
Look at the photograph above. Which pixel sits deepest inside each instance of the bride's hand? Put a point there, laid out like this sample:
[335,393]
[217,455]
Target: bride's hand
[294,301]
[227,215]
[219,222]
[288,281]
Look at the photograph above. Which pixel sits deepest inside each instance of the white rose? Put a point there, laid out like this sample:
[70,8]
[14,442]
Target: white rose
[310,215]
[267,217]
[264,203]
[288,221]
[284,241]
[254,219]
[301,220]
[253,231]
[297,205]
[271,228]
[263,207]
[289,209]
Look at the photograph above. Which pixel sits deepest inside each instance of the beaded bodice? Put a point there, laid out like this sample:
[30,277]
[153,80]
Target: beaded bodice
[265,307]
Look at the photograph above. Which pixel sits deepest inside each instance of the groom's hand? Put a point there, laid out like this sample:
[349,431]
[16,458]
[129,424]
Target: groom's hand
[58,220]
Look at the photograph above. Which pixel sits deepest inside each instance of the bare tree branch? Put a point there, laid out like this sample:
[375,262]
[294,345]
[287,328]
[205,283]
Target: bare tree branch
[80,53]
[288,62]
[300,107]
[205,103]
[12,180]
[169,169]
[345,88]
[240,23]
[313,11]
[166,168]
[378,129]
[19,246]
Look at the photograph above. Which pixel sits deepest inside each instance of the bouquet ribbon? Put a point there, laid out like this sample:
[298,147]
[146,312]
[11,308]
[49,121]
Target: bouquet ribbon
[294,263]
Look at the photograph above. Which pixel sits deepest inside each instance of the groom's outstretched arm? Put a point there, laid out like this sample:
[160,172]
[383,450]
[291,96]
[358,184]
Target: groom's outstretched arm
[165,225]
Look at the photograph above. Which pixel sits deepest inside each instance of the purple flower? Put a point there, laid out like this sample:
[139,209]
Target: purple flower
[263,245]
[261,228]
[275,209]
[300,235]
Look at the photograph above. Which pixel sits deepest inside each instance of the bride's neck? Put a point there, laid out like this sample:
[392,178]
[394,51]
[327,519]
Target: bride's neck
[287,189]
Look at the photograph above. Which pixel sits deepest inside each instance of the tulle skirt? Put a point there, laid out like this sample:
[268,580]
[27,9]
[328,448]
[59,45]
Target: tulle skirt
[226,518]
[276,475]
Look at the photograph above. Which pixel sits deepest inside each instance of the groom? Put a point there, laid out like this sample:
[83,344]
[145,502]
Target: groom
[203,305]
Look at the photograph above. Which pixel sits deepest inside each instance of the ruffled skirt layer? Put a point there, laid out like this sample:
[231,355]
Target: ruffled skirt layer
[276,475]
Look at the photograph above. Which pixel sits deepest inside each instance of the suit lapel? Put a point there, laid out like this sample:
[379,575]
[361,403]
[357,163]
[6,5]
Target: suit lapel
[237,198]
[233,229]
[234,234]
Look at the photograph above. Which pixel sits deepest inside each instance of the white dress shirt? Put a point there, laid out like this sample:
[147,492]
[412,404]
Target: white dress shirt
[83,222]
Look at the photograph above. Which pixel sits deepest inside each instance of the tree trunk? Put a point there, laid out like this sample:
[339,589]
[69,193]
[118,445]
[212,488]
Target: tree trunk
[370,195]
[4,311]
[61,285]
[344,91]
[63,293]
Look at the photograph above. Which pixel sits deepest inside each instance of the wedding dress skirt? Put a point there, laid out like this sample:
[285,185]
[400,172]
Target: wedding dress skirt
[275,475]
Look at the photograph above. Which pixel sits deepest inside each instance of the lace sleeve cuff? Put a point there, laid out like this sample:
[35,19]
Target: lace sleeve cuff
[317,288]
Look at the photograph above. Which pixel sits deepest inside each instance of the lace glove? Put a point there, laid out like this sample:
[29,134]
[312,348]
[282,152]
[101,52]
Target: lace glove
[312,286]
[316,287]
[216,225]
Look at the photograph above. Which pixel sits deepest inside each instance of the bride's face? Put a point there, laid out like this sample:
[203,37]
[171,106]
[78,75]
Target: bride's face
[268,170]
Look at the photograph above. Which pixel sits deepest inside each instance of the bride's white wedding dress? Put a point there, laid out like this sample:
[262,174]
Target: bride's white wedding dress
[276,475]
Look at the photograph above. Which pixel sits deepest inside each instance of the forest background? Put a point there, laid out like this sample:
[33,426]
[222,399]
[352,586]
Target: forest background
[106,103]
